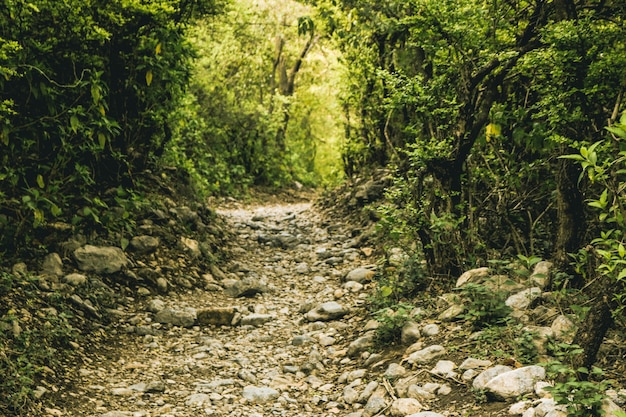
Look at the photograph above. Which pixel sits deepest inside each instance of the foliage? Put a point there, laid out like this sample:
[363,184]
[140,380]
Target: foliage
[473,102]
[87,90]
[582,397]
[484,306]
[35,338]
[392,320]
[604,166]
[246,120]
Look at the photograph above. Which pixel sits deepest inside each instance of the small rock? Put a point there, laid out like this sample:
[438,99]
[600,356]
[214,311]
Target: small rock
[191,246]
[394,371]
[452,313]
[402,407]
[247,287]
[515,383]
[473,363]
[488,374]
[361,344]
[374,405]
[426,355]
[259,395]
[75,280]
[100,259]
[419,393]
[330,310]
[256,319]
[410,333]
[52,265]
[445,369]
[183,318]
[155,305]
[541,274]
[198,400]
[144,244]
[370,388]
[426,414]
[472,276]
[350,395]
[563,328]
[522,300]
[430,330]
[360,275]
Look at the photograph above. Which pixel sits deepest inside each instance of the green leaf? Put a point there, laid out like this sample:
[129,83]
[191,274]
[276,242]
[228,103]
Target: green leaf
[40,181]
[102,140]
[74,123]
[386,291]
[148,77]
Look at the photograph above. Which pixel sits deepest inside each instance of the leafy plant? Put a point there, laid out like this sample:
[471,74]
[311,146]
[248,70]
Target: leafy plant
[583,398]
[483,305]
[392,320]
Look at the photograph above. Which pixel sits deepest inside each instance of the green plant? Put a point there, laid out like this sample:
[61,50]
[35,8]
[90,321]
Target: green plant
[525,349]
[583,398]
[484,306]
[391,320]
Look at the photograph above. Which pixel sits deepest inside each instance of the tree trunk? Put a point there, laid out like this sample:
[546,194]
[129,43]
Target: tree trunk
[599,319]
[571,214]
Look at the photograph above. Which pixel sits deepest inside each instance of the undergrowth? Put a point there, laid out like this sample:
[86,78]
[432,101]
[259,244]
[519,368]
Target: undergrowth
[37,339]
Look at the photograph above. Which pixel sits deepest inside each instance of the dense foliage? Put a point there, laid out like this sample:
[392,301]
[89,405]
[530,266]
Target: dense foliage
[260,110]
[87,93]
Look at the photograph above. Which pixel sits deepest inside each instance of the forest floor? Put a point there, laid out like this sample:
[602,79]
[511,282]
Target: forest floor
[290,343]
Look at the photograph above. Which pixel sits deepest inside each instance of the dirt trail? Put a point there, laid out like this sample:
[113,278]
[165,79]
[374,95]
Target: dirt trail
[276,361]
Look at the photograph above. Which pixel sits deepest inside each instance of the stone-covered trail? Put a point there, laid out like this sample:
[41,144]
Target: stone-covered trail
[269,336]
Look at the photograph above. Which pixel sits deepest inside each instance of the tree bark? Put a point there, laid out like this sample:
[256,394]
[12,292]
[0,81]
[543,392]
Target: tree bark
[570,212]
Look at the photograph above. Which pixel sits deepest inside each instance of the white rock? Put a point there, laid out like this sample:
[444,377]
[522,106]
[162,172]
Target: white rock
[522,300]
[430,330]
[515,383]
[473,363]
[563,328]
[402,407]
[259,395]
[445,369]
[472,276]
[197,400]
[452,313]
[426,355]
[410,333]
[394,371]
[541,274]
[519,407]
[426,414]
[419,393]
[360,275]
[488,374]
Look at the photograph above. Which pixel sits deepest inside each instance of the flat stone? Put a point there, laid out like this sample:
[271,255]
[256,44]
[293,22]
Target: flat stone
[472,276]
[259,395]
[512,384]
[144,244]
[426,355]
[256,319]
[100,259]
[488,374]
[522,300]
[75,280]
[328,311]
[217,316]
[360,275]
[402,407]
[183,318]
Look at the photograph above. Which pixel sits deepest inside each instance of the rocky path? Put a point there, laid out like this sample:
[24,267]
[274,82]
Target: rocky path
[282,330]
[270,340]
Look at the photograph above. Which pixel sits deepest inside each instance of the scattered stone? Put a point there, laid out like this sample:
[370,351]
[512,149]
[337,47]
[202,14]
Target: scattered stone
[360,275]
[515,383]
[183,318]
[259,395]
[75,280]
[144,244]
[430,330]
[522,300]
[328,311]
[473,363]
[247,287]
[426,414]
[52,265]
[155,305]
[472,276]
[256,319]
[100,259]
[541,274]
[402,407]
[452,313]
[426,355]
[361,344]
[197,400]
[410,333]
[563,328]
[394,371]
[488,374]
[191,246]
[374,405]
[445,369]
